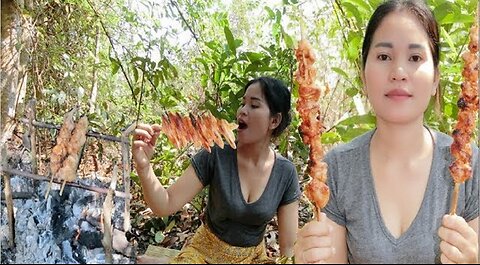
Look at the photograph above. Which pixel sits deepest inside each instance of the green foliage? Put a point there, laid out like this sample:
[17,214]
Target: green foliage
[227,69]
[144,65]
[60,58]
[455,20]
[134,65]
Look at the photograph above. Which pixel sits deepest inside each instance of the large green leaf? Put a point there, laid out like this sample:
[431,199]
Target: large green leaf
[341,72]
[361,5]
[331,137]
[254,56]
[230,40]
[115,65]
[442,10]
[353,9]
[361,119]
[457,18]
[449,40]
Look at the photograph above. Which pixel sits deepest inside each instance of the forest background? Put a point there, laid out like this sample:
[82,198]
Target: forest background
[125,61]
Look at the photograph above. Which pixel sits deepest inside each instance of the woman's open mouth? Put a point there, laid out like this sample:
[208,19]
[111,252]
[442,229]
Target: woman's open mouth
[242,125]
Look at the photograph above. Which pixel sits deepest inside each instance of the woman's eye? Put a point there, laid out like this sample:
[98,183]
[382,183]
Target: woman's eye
[254,106]
[415,58]
[383,57]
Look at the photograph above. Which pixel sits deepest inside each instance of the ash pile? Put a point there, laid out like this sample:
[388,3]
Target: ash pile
[65,228]
[61,217]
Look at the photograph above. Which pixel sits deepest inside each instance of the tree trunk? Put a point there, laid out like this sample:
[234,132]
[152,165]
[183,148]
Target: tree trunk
[13,81]
[13,60]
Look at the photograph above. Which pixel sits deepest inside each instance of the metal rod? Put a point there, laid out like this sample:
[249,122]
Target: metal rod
[44,178]
[89,133]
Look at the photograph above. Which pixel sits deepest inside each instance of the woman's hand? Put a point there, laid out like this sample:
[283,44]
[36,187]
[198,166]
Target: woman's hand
[314,242]
[459,242]
[144,139]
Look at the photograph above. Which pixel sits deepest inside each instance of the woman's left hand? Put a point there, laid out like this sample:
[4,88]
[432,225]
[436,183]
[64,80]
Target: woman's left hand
[459,242]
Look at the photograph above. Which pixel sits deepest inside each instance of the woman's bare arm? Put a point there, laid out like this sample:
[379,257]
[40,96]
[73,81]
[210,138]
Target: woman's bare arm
[164,202]
[287,227]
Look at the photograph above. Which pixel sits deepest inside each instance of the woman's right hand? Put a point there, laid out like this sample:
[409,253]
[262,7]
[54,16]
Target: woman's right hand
[144,139]
[314,242]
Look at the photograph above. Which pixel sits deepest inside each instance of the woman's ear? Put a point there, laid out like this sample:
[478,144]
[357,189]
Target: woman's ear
[275,120]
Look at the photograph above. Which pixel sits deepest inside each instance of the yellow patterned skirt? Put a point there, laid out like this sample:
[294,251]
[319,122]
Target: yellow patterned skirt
[206,248]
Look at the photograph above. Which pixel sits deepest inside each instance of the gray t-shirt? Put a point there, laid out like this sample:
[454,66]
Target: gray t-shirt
[228,215]
[353,204]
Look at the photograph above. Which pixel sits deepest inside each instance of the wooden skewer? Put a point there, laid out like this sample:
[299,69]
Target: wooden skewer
[49,187]
[453,205]
[316,214]
[63,186]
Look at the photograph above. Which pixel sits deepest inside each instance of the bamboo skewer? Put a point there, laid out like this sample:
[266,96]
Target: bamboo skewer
[126,174]
[108,210]
[453,205]
[63,186]
[49,187]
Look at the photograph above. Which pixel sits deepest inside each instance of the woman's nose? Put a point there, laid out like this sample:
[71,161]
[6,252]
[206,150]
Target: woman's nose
[241,111]
[398,73]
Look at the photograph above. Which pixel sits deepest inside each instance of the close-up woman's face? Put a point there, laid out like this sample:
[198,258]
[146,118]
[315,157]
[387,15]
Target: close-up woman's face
[399,75]
[253,116]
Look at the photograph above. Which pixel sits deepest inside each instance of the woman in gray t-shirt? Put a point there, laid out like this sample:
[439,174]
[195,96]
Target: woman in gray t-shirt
[391,187]
[248,185]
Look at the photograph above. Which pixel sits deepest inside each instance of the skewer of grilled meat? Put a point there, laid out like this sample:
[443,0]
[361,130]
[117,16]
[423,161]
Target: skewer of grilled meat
[468,105]
[311,126]
[202,130]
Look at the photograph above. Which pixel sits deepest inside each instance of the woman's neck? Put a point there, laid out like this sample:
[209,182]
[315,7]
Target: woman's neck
[255,153]
[403,141]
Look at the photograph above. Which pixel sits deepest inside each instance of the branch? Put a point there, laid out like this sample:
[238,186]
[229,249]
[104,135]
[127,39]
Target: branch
[348,24]
[338,18]
[330,101]
[337,122]
[114,50]
[141,96]
[184,20]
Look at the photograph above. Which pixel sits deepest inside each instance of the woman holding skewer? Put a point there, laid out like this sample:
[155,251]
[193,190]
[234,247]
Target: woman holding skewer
[248,185]
[390,189]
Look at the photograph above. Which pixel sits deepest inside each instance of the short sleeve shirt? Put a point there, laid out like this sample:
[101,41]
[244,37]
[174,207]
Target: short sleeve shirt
[228,215]
[353,204]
